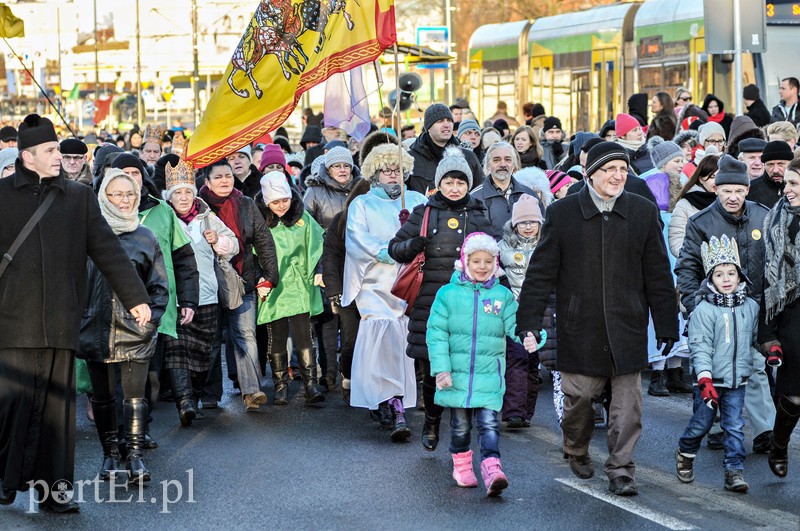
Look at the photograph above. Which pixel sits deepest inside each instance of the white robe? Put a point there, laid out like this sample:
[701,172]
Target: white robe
[381,370]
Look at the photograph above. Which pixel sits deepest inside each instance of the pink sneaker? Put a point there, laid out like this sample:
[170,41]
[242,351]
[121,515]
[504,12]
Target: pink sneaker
[493,477]
[462,470]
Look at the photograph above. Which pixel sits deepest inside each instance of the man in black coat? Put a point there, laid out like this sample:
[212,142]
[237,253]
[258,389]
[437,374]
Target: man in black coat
[603,252]
[429,147]
[41,312]
[768,188]
[756,109]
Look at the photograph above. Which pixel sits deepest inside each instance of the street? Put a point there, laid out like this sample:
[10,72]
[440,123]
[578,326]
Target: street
[330,467]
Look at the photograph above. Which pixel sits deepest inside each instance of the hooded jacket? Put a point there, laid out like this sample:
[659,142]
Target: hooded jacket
[637,107]
[726,121]
[325,197]
[781,113]
[425,164]
[759,113]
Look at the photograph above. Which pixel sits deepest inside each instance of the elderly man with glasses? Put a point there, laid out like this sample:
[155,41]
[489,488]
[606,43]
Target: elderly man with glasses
[73,160]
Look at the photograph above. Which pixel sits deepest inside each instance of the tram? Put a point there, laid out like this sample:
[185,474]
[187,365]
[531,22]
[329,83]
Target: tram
[583,66]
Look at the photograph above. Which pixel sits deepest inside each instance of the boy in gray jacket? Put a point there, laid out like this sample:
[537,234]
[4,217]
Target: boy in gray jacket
[722,335]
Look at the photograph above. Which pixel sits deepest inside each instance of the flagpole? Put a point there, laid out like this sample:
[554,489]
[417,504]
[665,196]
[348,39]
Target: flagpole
[396,112]
[33,78]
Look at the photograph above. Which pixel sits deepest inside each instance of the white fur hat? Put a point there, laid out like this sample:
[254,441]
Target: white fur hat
[479,241]
[275,187]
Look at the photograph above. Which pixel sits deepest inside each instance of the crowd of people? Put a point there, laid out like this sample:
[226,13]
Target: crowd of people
[463,264]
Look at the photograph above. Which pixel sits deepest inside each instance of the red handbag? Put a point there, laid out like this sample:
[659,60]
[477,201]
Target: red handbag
[409,278]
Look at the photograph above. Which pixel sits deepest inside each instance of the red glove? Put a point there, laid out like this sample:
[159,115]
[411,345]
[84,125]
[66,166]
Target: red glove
[404,214]
[708,393]
[775,356]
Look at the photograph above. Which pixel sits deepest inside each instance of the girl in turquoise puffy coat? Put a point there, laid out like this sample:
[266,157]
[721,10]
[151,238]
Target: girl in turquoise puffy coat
[467,329]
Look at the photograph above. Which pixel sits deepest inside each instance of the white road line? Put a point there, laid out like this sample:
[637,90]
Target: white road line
[627,504]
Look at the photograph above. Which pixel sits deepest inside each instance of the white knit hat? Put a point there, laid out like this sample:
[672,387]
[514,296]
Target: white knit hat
[708,129]
[479,241]
[274,187]
[452,161]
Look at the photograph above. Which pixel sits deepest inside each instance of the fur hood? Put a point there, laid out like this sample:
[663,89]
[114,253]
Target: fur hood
[535,179]
[294,213]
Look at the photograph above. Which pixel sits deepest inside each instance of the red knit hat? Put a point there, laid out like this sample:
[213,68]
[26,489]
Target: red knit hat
[558,180]
[625,123]
[273,154]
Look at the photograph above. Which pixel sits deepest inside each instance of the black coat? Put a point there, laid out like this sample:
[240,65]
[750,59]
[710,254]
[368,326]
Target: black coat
[447,228]
[252,183]
[109,332]
[610,271]
[332,260]
[42,289]
[664,125]
[759,113]
[425,163]
[498,208]
[714,220]
[765,191]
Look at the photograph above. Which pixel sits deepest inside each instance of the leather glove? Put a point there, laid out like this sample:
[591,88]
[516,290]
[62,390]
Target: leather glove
[668,343]
[708,393]
[383,257]
[336,303]
[443,380]
[775,356]
[417,245]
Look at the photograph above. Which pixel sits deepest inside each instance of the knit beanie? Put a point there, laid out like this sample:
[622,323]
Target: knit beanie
[551,122]
[274,187]
[73,146]
[605,152]
[592,142]
[731,171]
[624,123]
[478,241]
[273,154]
[501,125]
[751,92]
[468,125]
[739,126]
[100,154]
[776,150]
[7,157]
[558,180]
[537,110]
[752,145]
[127,160]
[526,209]
[338,155]
[490,137]
[453,163]
[436,112]
[708,129]
[35,130]
[661,151]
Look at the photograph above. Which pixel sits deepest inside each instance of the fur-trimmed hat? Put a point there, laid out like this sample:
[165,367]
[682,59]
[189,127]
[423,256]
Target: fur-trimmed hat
[454,164]
[478,241]
[376,139]
[684,136]
[383,156]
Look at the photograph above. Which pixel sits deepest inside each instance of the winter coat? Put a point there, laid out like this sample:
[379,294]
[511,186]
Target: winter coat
[716,221]
[722,342]
[640,159]
[633,184]
[325,197]
[298,243]
[425,163]
[447,228]
[726,120]
[765,191]
[759,113]
[780,113]
[109,333]
[251,184]
[515,255]
[610,272]
[182,275]
[680,217]
[498,207]
[554,152]
[332,259]
[43,287]
[664,125]
[466,336]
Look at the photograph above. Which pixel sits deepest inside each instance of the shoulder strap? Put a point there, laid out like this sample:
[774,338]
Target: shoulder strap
[26,230]
[423,231]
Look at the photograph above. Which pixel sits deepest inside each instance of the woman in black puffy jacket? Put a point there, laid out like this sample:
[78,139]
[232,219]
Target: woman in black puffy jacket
[454,214]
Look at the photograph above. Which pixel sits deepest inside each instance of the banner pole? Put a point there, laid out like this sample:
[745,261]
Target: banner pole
[396,114]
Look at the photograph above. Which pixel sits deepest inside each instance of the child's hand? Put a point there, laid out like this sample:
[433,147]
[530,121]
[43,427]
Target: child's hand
[443,380]
[708,393]
[530,342]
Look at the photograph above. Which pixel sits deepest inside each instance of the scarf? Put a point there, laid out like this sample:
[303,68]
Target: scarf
[459,203]
[120,223]
[189,216]
[436,150]
[700,200]
[717,117]
[392,191]
[729,300]
[228,208]
[782,270]
[632,145]
[530,158]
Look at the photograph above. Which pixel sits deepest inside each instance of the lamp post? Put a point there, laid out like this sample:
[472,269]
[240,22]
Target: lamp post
[96,60]
[195,66]
[140,116]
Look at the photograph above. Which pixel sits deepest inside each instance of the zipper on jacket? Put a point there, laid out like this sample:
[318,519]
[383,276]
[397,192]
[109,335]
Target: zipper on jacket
[734,382]
[474,341]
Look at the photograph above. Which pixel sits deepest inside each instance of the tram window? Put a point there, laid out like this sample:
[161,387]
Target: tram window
[651,79]
[676,76]
[547,87]
[580,101]
[562,98]
[536,84]
[702,68]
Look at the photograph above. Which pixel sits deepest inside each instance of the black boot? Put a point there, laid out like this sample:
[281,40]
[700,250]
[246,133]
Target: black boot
[401,432]
[105,421]
[182,390]
[309,366]
[386,416]
[198,382]
[135,426]
[279,364]
[675,383]
[430,432]
[656,387]
[786,416]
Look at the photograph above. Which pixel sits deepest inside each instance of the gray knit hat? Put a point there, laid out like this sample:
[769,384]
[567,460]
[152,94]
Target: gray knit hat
[436,112]
[453,161]
[338,155]
[468,125]
[731,171]
[663,151]
[706,130]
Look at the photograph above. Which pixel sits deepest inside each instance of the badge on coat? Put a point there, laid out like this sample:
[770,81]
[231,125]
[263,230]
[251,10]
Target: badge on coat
[300,222]
[519,258]
[756,234]
[452,223]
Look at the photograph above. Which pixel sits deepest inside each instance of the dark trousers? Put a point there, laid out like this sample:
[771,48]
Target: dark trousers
[429,390]
[132,376]
[522,382]
[300,325]
[349,319]
[37,416]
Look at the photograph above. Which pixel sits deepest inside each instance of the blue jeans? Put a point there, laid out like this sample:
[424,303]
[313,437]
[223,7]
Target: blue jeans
[488,433]
[242,329]
[731,403]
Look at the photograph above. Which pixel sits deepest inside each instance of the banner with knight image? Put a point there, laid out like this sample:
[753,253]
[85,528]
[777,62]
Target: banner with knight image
[288,47]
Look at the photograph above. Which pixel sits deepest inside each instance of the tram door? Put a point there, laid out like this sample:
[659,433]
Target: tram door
[604,81]
[698,70]
[541,75]
[581,101]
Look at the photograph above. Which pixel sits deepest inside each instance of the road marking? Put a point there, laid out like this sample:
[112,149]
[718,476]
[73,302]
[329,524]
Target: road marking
[627,504]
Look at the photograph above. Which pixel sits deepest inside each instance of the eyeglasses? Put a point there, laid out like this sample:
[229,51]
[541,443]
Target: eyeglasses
[716,142]
[388,171]
[72,158]
[527,224]
[622,170]
[119,196]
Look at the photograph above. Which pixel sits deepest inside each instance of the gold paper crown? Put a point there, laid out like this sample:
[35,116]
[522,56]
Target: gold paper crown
[719,251]
[153,133]
[181,174]
[178,144]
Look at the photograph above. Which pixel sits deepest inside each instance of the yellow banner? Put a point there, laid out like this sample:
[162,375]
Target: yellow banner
[10,26]
[288,47]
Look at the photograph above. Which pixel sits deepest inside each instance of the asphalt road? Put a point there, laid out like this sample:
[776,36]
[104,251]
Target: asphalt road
[330,467]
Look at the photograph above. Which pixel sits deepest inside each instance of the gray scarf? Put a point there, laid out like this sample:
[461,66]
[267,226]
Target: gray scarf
[119,222]
[392,190]
[782,270]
